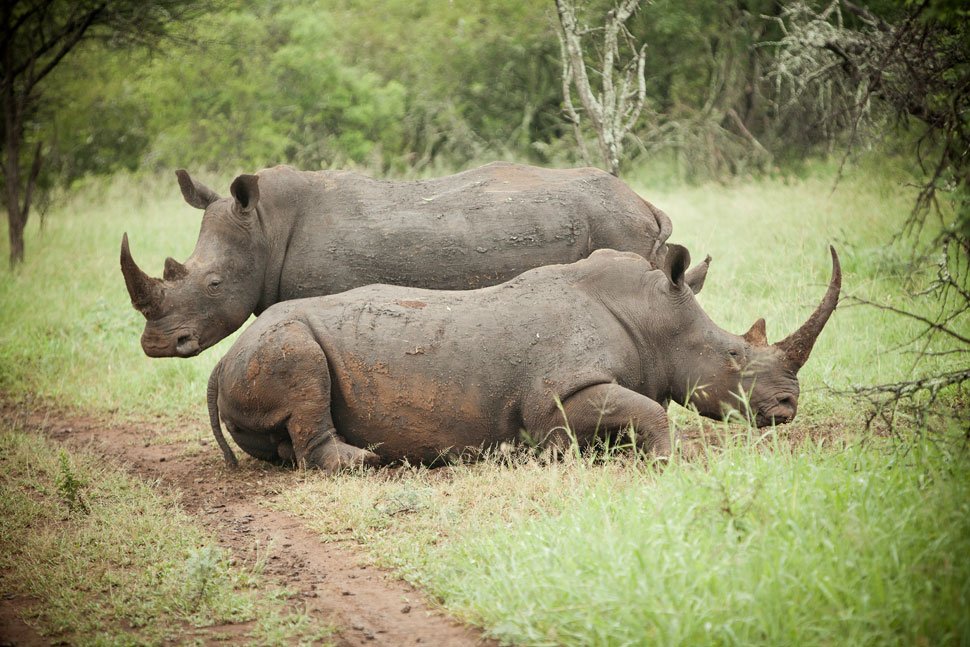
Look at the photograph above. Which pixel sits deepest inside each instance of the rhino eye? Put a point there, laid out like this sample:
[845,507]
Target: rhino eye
[214,281]
[733,353]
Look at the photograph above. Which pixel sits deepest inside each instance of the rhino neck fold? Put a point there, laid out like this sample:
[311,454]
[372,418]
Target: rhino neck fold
[681,346]
[276,231]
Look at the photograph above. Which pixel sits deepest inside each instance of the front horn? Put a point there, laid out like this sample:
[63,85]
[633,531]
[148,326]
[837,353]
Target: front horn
[145,291]
[798,345]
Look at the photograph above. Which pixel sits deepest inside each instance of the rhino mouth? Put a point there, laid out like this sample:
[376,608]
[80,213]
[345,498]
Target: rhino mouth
[778,415]
[185,345]
[768,420]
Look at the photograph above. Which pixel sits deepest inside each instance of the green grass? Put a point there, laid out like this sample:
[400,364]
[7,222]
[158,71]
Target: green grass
[826,542]
[811,548]
[103,558]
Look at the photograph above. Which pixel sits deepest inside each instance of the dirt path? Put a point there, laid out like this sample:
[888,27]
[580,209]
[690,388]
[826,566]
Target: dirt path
[368,605]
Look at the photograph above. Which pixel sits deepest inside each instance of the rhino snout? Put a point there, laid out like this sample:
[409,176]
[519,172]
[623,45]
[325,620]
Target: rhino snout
[780,413]
[177,344]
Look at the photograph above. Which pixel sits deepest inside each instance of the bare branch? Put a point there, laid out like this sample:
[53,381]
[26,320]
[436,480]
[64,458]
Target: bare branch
[610,112]
[570,110]
[931,324]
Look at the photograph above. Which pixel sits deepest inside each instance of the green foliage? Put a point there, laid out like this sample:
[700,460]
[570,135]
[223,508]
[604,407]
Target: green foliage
[408,87]
[95,123]
[69,486]
[482,78]
[315,84]
[269,91]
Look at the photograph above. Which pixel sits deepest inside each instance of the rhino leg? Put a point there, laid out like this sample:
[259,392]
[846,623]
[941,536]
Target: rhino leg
[332,454]
[280,395]
[605,410]
[314,440]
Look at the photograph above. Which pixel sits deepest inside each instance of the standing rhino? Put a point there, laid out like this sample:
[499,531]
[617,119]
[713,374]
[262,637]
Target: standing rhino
[419,374]
[286,234]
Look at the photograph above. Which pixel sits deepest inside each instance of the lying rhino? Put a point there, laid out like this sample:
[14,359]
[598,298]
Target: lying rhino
[419,374]
[286,234]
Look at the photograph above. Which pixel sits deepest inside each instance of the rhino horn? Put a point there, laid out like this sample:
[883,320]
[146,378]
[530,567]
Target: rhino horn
[798,345]
[145,291]
[174,270]
[757,335]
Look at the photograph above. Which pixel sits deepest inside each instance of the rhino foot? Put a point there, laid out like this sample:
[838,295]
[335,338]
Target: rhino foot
[335,455]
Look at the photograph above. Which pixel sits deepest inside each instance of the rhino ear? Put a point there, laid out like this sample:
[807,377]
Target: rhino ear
[195,193]
[245,192]
[696,275]
[757,335]
[676,262]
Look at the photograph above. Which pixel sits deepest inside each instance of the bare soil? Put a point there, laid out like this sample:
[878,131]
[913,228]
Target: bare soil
[330,579]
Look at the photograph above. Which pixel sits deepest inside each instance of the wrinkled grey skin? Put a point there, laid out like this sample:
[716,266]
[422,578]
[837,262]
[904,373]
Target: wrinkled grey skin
[384,373]
[286,234]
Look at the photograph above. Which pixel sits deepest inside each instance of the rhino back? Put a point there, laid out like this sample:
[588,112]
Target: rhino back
[464,231]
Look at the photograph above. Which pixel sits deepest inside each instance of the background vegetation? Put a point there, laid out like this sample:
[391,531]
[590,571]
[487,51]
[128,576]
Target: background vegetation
[400,85]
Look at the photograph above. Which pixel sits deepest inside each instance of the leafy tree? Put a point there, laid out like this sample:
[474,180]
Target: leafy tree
[35,37]
[269,91]
[93,119]
[481,77]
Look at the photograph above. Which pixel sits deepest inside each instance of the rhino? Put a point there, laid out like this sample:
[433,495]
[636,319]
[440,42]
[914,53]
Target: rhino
[286,234]
[561,353]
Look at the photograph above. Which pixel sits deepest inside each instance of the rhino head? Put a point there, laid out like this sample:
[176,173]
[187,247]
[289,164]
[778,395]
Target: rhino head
[725,372]
[196,304]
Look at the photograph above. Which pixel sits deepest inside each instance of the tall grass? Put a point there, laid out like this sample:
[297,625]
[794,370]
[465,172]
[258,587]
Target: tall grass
[812,547]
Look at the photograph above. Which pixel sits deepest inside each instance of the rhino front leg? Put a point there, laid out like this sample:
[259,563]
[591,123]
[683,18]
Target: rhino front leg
[604,410]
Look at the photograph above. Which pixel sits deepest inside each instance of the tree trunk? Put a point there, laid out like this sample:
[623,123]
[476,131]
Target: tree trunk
[12,135]
[16,230]
[16,217]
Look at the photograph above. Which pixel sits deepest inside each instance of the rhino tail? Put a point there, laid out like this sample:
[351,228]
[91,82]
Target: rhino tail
[212,396]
